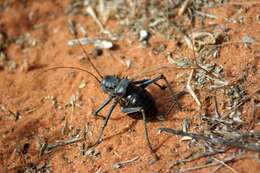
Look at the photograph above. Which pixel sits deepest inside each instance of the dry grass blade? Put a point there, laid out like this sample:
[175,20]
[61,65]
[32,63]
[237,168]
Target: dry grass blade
[228,159]
[226,165]
[47,148]
[92,13]
[184,6]
[123,163]
[189,89]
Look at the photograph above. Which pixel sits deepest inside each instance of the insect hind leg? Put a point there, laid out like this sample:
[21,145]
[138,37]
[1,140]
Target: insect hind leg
[141,110]
[174,97]
[145,83]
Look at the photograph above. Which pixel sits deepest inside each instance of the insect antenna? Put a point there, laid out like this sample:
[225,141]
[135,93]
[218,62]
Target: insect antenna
[88,58]
[75,68]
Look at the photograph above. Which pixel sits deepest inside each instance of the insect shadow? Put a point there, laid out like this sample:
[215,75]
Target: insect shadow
[131,95]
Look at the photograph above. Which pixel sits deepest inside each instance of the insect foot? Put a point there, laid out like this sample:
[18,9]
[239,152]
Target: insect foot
[94,113]
[154,159]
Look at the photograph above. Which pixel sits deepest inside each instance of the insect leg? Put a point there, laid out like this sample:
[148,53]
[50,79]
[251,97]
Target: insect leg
[147,137]
[102,106]
[109,113]
[144,83]
[139,109]
[145,131]
[131,110]
[140,81]
[175,98]
[162,77]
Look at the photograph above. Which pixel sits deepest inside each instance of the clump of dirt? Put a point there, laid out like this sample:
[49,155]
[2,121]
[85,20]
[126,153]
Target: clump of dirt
[208,51]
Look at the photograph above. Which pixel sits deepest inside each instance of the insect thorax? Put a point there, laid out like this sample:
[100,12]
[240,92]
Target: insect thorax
[114,85]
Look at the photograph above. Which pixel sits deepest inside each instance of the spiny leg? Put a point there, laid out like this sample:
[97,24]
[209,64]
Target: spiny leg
[156,157]
[109,113]
[102,106]
[162,87]
[175,98]
[139,109]
[145,83]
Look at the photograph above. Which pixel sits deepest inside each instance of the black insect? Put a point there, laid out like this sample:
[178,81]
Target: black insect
[131,95]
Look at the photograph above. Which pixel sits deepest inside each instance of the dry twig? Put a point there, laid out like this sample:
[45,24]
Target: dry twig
[189,88]
[123,163]
[226,165]
[228,159]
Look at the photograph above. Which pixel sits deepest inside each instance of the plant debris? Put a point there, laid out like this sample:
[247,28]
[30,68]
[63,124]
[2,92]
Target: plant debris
[98,43]
[47,148]
[53,101]
[143,37]
[124,163]
[248,40]
[244,140]
[5,61]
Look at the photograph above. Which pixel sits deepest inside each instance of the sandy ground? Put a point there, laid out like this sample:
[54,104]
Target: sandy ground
[57,105]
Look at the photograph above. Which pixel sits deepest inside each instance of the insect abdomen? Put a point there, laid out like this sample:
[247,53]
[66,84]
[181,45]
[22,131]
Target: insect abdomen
[139,97]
